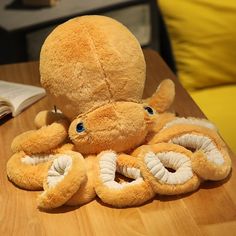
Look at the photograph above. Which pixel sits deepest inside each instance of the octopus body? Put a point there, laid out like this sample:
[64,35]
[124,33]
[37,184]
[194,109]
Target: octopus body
[164,155]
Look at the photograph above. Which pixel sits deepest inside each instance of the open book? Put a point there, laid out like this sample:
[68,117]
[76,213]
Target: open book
[16,97]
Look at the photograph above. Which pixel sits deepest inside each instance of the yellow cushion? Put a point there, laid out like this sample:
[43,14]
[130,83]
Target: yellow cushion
[219,105]
[203,38]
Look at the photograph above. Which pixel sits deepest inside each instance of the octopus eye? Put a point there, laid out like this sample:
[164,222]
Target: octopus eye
[80,127]
[149,110]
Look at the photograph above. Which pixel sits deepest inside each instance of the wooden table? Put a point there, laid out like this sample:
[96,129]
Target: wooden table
[209,211]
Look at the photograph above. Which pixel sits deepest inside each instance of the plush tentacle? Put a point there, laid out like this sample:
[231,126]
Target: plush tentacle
[155,161]
[158,121]
[42,140]
[211,159]
[162,99]
[28,171]
[121,194]
[189,121]
[86,192]
[64,177]
[44,118]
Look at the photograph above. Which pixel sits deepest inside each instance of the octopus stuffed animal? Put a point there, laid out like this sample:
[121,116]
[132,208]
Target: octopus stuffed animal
[93,70]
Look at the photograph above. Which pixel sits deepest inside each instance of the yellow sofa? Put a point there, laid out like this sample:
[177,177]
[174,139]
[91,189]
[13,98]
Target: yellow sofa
[203,39]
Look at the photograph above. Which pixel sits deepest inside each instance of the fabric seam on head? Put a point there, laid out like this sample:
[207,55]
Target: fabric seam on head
[101,66]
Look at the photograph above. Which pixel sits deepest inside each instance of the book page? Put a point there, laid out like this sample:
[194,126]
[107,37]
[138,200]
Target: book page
[19,96]
[4,109]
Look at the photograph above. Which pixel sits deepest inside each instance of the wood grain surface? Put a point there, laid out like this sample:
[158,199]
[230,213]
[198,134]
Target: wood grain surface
[211,210]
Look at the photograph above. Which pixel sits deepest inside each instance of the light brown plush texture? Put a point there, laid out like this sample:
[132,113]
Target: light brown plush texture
[119,126]
[45,118]
[163,97]
[42,140]
[58,195]
[94,71]
[26,176]
[122,126]
[162,188]
[158,122]
[86,192]
[131,195]
[208,170]
[96,59]
[204,168]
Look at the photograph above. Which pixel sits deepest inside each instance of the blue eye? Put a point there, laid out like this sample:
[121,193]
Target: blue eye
[80,127]
[149,110]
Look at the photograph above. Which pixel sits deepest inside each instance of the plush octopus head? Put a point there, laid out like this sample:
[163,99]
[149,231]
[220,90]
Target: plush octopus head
[91,61]
[94,71]
[120,126]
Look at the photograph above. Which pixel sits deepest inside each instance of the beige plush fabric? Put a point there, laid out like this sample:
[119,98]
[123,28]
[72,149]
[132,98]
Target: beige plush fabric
[26,176]
[154,162]
[211,160]
[45,139]
[86,192]
[90,61]
[119,126]
[94,71]
[69,178]
[47,118]
[121,193]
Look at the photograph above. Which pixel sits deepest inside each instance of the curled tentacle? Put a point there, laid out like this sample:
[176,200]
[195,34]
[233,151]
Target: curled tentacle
[44,118]
[122,194]
[86,192]
[64,177]
[42,140]
[162,99]
[28,171]
[210,159]
[156,162]
[190,121]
